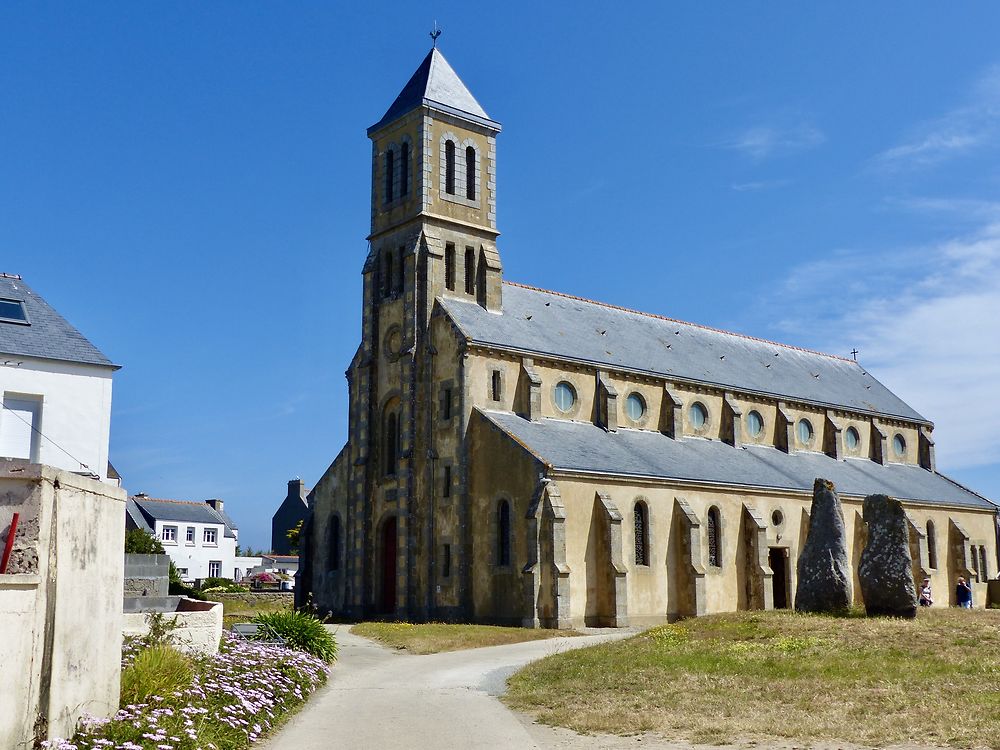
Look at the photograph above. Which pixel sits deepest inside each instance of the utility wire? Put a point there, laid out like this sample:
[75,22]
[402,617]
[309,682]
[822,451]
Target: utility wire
[42,434]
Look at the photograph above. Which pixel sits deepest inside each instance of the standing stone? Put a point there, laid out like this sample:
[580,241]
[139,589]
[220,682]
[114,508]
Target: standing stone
[886,570]
[824,578]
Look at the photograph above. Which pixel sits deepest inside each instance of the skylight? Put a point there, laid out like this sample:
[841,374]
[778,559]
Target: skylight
[12,311]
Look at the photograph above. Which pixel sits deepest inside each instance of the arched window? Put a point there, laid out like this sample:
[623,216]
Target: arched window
[449,167]
[335,543]
[449,266]
[503,533]
[390,159]
[983,570]
[387,274]
[470,271]
[931,545]
[714,558]
[404,169]
[975,566]
[391,444]
[641,523]
[400,269]
[470,173]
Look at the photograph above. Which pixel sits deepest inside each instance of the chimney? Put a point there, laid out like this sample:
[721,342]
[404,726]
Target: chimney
[295,488]
[216,504]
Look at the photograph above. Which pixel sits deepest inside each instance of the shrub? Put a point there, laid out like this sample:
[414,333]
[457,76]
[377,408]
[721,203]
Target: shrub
[221,584]
[158,670]
[182,589]
[300,631]
[141,542]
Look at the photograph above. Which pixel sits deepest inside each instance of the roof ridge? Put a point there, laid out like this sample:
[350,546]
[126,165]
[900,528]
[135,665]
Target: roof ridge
[168,500]
[682,322]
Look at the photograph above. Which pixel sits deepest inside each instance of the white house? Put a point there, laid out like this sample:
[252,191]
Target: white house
[54,384]
[199,538]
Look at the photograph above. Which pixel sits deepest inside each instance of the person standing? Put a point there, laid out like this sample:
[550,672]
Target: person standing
[963,594]
[925,593]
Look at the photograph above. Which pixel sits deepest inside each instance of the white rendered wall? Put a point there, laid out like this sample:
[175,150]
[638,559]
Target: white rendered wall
[75,410]
[196,556]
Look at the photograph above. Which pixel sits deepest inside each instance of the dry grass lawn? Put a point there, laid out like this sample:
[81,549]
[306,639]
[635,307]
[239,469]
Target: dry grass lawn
[757,676]
[432,638]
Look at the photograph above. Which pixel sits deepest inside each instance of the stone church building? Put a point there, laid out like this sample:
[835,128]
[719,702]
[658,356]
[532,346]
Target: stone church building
[522,456]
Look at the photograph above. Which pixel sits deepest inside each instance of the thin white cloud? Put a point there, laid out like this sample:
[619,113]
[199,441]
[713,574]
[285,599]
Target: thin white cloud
[961,131]
[760,185]
[764,141]
[927,323]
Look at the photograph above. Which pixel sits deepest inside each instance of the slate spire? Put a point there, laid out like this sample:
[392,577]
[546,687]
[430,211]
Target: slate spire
[436,84]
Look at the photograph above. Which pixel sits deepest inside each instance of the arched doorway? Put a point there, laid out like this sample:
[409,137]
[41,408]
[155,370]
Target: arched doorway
[388,603]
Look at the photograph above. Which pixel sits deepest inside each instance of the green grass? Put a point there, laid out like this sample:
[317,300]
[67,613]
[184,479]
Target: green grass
[156,671]
[434,637]
[781,675]
[301,631]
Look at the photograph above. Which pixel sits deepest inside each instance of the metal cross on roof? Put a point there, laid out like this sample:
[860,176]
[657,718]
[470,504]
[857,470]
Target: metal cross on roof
[435,34]
[854,353]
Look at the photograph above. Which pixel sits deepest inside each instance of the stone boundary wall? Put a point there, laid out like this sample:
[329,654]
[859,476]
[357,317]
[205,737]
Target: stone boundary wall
[199,625]
[147,575]
[60,603]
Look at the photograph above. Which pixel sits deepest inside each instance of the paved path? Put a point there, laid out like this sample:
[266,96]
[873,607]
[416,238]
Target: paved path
[383,699]
[380,699]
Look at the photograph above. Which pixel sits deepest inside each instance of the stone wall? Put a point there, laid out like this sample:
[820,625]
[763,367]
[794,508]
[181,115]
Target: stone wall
[60,603]
[147,575]
[199,625]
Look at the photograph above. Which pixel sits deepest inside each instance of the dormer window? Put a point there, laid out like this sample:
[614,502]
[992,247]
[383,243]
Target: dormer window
[449,167]
[12,311]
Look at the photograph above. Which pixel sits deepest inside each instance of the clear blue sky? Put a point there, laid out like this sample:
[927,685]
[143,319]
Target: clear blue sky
[188,183]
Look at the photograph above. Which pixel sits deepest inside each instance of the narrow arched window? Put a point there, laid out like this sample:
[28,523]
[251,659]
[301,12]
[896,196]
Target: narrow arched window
[391,444]
[470,173]
[404,169]
[400,267]
[449,167]
[503,533]
[714,558]
[335,543]
[390,159]
[975,566]
[470,271]
[387,274]
[449,266]
[931,545]
[641,524]
[983,570]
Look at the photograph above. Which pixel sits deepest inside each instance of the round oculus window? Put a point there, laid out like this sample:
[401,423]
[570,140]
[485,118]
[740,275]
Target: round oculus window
[698,415]
[852,438]
[565,396]
[805,431]
[899,445]
[777,517]
[755,423]
[635,407]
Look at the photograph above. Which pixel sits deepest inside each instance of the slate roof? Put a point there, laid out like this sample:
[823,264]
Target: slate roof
[185,511]
[582,446]
[536,321]
[436,84]
[49,335]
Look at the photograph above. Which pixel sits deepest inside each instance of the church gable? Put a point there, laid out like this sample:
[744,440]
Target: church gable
[535,321]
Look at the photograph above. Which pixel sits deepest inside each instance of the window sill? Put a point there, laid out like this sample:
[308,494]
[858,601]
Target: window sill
[210,544]
[168,543]
[455,198]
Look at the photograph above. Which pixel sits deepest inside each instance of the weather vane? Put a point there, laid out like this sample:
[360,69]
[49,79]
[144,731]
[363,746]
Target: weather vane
[435,34]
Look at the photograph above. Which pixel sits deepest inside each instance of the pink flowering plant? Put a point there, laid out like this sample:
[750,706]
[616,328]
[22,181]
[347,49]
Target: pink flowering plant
[234,699]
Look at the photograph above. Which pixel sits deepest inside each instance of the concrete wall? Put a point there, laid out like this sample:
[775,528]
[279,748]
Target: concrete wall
[199,625]
[61,603]
[147,575]
[75,413]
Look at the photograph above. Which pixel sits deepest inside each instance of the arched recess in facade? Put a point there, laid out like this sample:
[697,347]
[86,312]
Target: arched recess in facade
[546,574]
[388,596]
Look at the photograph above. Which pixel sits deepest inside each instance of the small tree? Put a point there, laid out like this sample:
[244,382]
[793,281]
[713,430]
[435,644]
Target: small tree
[141,542]
[293,537]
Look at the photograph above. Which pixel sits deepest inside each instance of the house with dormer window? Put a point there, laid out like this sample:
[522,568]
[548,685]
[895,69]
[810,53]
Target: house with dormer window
[55,387]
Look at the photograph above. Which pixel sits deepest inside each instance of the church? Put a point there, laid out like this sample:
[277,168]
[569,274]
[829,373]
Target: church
[526,457]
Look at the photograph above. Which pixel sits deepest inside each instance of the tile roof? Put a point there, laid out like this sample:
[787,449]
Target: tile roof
[436,84]
[581,446]
[159,509]
[49,335]
[536,321]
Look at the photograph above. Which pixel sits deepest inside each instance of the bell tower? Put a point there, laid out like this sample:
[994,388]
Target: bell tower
[433,234]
